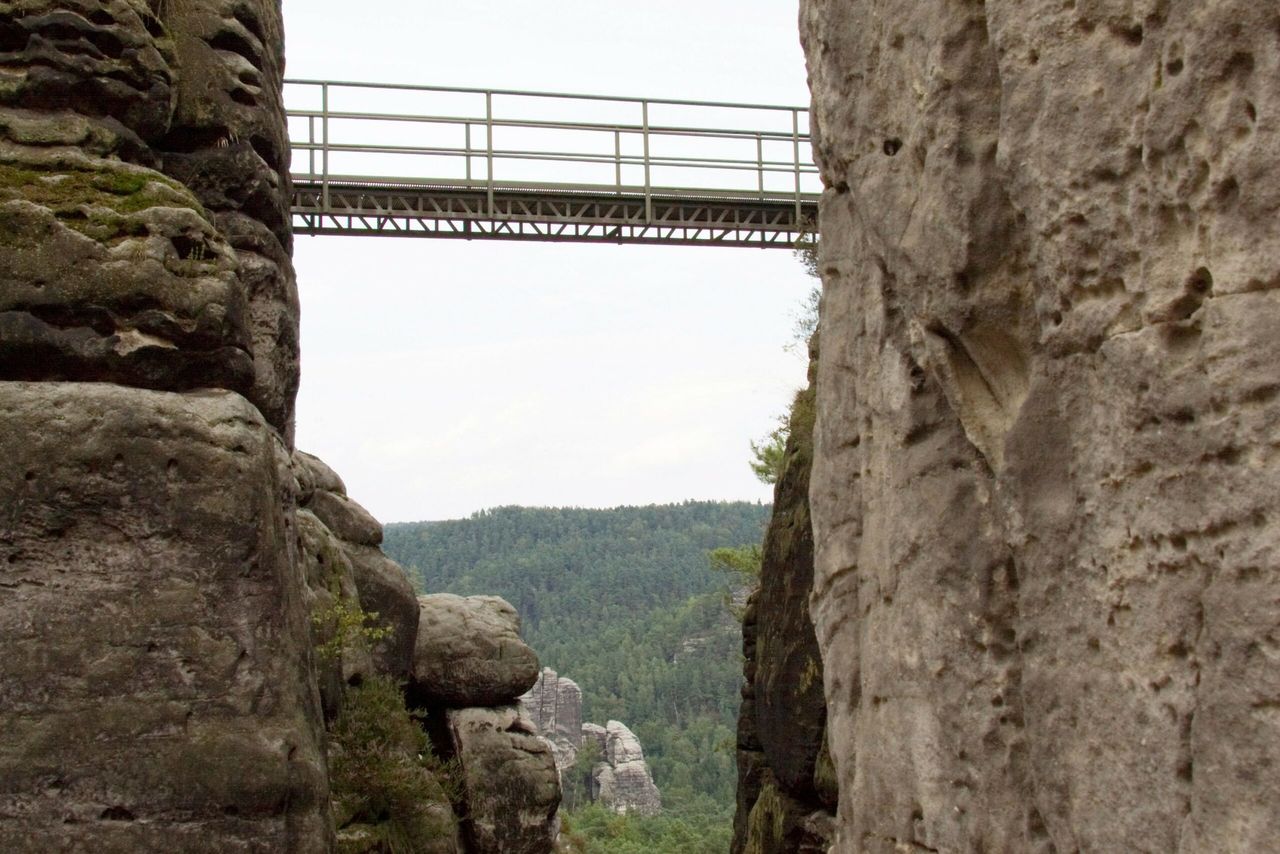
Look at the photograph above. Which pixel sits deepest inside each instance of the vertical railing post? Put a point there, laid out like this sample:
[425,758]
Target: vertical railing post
[648,189]
[795,139]
[311,147]
[468,153]
[617,159]
[488,122]
[760,163]
[324,142]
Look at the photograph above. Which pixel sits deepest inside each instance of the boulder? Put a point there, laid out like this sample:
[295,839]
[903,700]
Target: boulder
[509,782]
[314,474]
[345,518]
[469,653]
[384,589]
[155,638]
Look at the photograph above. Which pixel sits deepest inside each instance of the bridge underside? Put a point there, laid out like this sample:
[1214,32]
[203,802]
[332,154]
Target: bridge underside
[578,217]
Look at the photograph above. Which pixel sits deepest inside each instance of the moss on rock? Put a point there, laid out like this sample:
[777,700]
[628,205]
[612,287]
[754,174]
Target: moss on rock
[97,202]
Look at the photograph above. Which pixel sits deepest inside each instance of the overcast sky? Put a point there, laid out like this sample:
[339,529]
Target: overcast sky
[441,377]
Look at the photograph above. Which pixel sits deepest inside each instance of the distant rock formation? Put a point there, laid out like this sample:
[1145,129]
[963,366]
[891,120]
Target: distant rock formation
[622,782]
[554,704]
[620,779]
[1046,486]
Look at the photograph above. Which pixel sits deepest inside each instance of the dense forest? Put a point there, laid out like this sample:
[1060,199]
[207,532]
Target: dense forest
[624,602]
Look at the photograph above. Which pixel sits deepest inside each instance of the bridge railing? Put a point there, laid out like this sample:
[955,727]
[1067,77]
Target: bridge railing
[493,140]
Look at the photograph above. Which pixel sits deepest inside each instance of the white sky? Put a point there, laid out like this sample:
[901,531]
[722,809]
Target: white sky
[440,377]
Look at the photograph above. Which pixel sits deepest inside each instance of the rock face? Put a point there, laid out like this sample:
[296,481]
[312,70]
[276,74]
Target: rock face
[1045,478]
[622,781]
[512,789]
[158,691]
[153,630]
[469,653]
[554,705]
[185,601]
[782,719]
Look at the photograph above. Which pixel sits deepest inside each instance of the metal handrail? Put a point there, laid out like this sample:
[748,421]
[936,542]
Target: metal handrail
[665,130]
[719,163]
[466,90]
[365,135]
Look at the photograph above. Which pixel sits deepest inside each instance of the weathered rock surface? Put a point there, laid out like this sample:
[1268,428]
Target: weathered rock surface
[380,585]
[346,518]
[789,704]
[1045,479]
[330,592]
[95,59]
[782,719]
[384,589]
[554,705]
[114,273]
[155,691]
[158,691]
[228,144]
[469,653]
[779,824]
[509,778]
[622,782]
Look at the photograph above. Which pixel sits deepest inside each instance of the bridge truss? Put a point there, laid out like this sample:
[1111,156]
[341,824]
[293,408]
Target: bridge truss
[547,167]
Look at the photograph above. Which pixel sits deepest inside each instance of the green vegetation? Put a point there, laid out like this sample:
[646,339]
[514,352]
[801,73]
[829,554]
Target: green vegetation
[623,602]
[595,830]
[342,624]
[767,454]
[95,202]
[386,783]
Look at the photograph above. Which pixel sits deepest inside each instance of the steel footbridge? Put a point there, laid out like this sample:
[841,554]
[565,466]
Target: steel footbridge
[491,164]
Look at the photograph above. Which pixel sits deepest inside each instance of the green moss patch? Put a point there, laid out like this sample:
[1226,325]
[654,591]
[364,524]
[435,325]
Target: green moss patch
[98,203]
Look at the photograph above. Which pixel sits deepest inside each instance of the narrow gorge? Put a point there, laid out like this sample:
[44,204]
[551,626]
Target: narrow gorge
[1020,588]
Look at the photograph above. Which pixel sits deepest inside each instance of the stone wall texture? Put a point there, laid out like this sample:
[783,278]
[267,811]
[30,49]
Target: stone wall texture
[784,797]
[1046,475]
[157,691]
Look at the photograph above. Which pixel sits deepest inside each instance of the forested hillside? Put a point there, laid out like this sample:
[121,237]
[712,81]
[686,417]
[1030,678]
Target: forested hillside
[625,603]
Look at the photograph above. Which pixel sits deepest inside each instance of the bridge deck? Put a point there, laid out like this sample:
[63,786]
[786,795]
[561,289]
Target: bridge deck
[548,167]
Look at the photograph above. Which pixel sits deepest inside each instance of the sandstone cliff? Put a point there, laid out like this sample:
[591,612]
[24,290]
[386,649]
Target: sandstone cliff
[200,631]
[786,789]
[157,690]
[1046,476]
